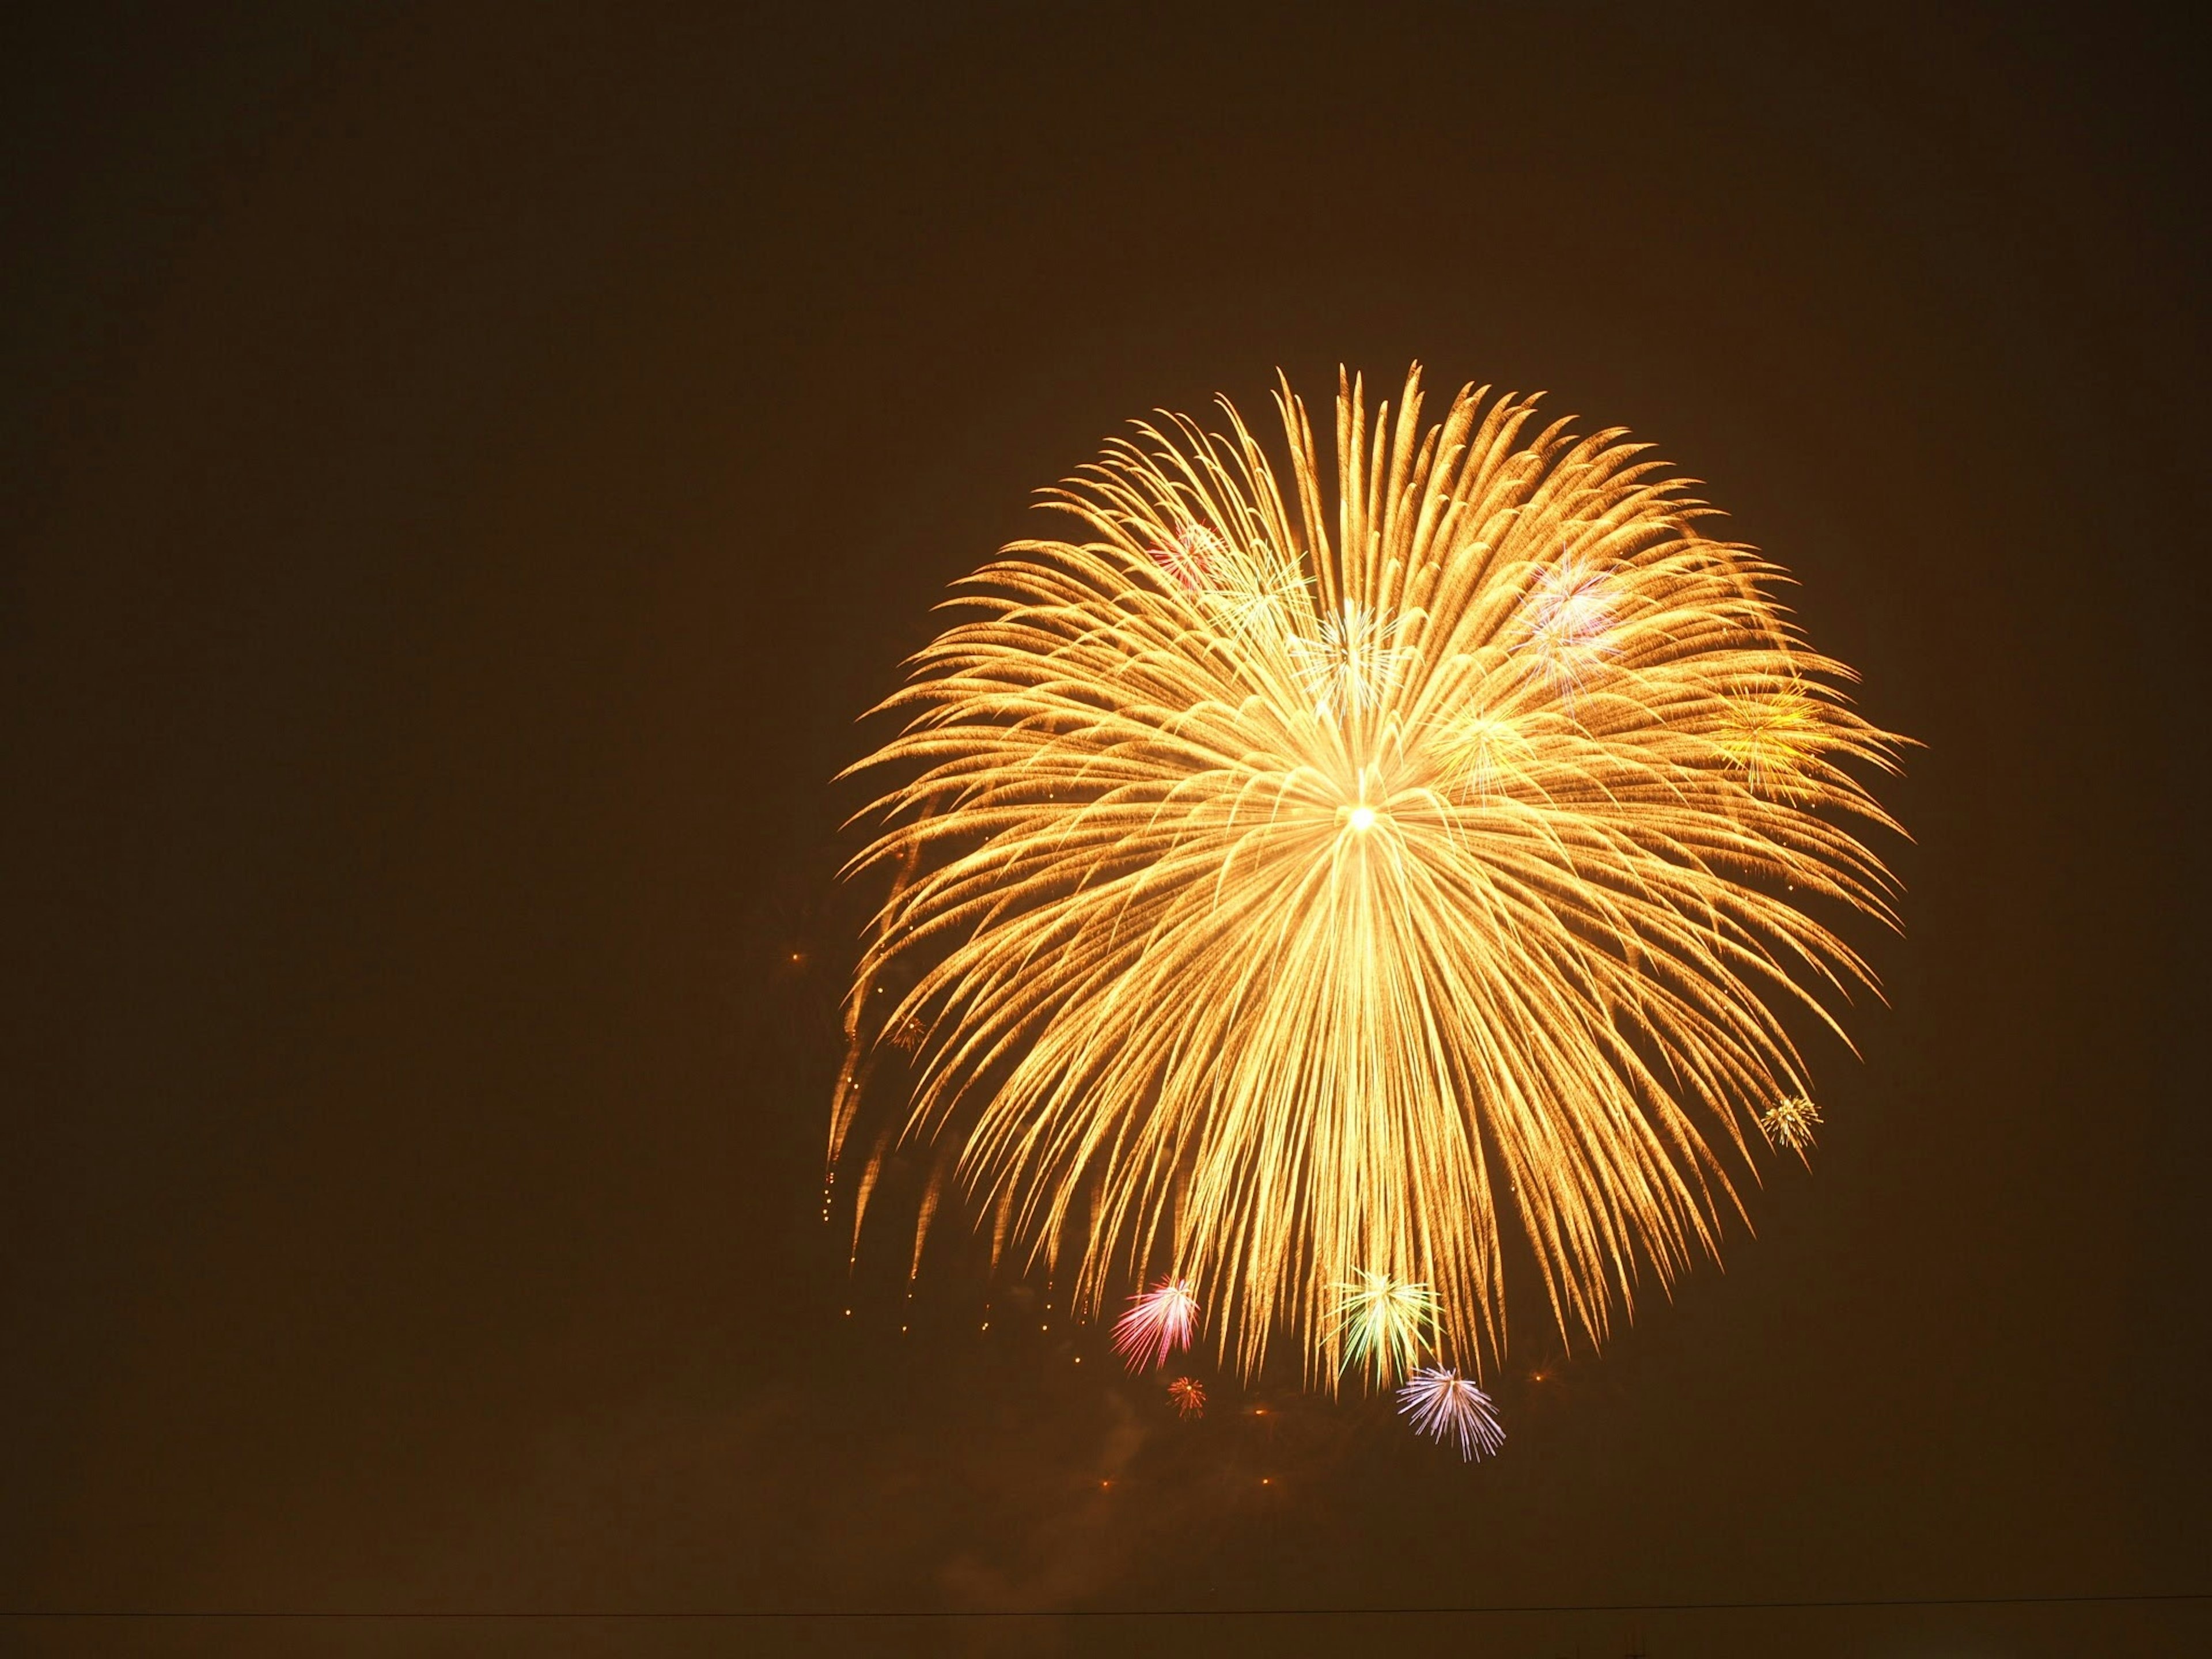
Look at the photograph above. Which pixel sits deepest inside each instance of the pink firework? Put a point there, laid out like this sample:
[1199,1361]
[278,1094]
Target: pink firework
[1159,1320]
[1189,1396]
[1565,619]
[1189,559]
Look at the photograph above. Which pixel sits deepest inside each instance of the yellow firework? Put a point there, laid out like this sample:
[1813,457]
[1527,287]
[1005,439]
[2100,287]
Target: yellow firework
[1789,1123]
[1291,889]
[1772,735]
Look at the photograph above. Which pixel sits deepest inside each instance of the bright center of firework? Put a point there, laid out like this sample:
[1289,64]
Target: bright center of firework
[1363,818]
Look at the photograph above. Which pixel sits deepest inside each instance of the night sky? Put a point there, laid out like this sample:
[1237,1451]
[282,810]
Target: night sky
[466,472]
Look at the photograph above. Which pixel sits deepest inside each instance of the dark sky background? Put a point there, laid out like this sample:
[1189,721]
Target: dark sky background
[467,468]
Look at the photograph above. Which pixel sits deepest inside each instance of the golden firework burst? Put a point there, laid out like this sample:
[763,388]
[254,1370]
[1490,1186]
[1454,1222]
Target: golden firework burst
[1789,1123]
[1294,889]
[1772,735]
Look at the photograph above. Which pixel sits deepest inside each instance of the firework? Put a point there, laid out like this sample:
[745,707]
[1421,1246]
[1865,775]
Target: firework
[1189,557]
[1771,736]
[1189,1396]
[1789,1123]
[1437,855]
[1478,753]
[1159,1320]
[1566,620]
[1351,662]
[1441,1402]
[1383,1323]
[1249,593]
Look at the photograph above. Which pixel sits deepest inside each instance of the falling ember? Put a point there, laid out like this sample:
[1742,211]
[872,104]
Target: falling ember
[1159,1320]
[1189,1396]
[1441,1402]
[1301,865]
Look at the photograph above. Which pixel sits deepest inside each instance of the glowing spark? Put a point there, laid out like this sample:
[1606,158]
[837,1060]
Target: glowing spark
[1183,1008]
[1159,1320]
[1789,1123]
[1189,1396]
[1441,1402]
[1384,1323]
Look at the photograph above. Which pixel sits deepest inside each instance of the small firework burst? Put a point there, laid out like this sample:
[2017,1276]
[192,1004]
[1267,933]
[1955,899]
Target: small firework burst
[1353,662]
[1189,1396]
[1770,737]
[1383,1323]
[907,1034]
[1256,592]
[1190,560]
[1441,1402]
[1159,1320]
[1789,1123]
[1483,752]
[1565,618]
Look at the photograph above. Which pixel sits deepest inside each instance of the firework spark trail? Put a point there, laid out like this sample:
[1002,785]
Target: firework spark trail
[1440,1401]
[1500,932]
[1159,1320]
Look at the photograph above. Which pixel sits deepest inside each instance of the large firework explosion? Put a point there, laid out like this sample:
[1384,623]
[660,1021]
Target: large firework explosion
[1293,889]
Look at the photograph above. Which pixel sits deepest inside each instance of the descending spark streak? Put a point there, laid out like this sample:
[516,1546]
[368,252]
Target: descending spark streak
[1413,872]
[1159,1320]
[1439,1401]
[1189,1396]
